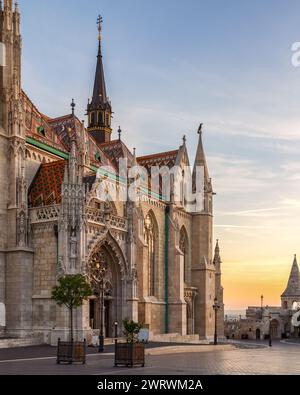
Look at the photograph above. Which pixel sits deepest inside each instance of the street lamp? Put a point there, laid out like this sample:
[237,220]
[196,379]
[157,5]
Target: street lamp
[116,332]
[216,307]
[270,331]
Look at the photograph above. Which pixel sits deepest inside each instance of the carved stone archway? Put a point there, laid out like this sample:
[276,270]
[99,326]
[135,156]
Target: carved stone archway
[111,260]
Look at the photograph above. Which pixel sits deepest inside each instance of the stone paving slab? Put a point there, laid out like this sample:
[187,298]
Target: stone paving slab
[279,359]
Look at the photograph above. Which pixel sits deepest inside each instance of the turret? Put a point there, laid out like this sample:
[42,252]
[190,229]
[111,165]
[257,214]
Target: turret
[292,291]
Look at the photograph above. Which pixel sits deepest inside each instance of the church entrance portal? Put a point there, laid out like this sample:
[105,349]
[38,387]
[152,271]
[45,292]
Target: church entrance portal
[105,305]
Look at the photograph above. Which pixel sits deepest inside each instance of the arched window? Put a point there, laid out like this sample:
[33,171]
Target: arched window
[150,239]
[93,119]
[183,245]
[100,119]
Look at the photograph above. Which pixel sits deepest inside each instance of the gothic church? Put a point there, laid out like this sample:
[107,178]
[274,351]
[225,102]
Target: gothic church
[156,258]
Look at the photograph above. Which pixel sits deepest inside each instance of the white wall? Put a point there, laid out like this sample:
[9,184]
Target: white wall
[2,314]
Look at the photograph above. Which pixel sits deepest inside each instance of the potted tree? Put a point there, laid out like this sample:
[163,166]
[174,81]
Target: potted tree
[71,291]
[131,353]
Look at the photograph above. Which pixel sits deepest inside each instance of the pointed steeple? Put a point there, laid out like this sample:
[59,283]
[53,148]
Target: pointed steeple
[293,286]
[200,160]
[99,109]
[99,92]
[201,181]
[217,258]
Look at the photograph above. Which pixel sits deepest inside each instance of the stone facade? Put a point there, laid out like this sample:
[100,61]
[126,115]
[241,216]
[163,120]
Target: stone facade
[157,255]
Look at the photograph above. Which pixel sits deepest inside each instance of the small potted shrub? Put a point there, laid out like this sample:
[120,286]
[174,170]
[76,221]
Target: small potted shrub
[71,291]
[131,353]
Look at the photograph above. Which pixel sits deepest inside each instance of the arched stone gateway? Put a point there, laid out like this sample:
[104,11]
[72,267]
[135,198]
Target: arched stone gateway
[108,274]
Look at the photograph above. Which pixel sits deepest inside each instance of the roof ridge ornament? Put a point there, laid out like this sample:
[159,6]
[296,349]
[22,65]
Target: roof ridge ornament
[73,105]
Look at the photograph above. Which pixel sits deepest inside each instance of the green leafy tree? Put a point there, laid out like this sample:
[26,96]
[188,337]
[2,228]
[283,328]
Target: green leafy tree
[71,291]
[131,330]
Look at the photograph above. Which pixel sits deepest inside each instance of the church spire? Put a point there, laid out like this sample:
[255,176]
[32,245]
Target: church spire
[200,160]
[99,109]
[293,286]
[201,181]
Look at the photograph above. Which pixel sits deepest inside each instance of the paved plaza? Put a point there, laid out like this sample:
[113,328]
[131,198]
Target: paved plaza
[282,358]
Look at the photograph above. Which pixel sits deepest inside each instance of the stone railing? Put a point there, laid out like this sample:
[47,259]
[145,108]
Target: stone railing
[44,214]
[95,215]
[51,214]
[118,222]
[99,217]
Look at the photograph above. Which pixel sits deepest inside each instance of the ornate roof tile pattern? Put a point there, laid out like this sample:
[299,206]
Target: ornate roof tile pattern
[46,186]
[115,150]
[161,159]
[37,125]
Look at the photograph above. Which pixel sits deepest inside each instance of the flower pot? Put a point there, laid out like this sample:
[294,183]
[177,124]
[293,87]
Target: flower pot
[71,352]
[130,354]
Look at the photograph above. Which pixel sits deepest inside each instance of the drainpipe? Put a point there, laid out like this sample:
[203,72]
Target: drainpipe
[57,245]
[167,211]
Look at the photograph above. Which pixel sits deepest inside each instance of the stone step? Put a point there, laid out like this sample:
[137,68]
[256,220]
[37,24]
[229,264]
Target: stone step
[24,342]
[177,338]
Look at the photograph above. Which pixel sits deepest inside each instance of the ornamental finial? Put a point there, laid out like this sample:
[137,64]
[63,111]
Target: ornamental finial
[99,23]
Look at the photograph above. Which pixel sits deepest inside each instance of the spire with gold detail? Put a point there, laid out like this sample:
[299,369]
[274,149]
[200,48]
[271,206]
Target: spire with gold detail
[99,110]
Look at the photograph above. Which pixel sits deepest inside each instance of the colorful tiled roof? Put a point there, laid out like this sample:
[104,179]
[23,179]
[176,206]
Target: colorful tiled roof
[115,150]
[46,186]
[37,125]
[161,159]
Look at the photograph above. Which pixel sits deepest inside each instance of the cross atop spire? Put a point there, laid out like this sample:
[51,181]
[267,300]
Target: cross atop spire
[99,23]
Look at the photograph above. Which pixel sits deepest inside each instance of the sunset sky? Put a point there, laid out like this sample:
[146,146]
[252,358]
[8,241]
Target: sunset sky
[171,65]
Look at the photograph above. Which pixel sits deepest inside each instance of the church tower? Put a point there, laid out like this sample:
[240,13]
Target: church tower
[203,269]
[16,257]
[99,110]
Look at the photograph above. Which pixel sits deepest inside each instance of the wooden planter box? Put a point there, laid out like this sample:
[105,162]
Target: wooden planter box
[130,354]
[71,352]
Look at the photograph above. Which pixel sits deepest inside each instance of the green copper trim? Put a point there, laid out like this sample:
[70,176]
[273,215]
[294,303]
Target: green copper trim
[167,269]
[47,148]
[65,156]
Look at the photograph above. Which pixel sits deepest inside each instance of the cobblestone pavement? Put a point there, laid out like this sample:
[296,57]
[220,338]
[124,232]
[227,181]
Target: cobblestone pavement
[282,358]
